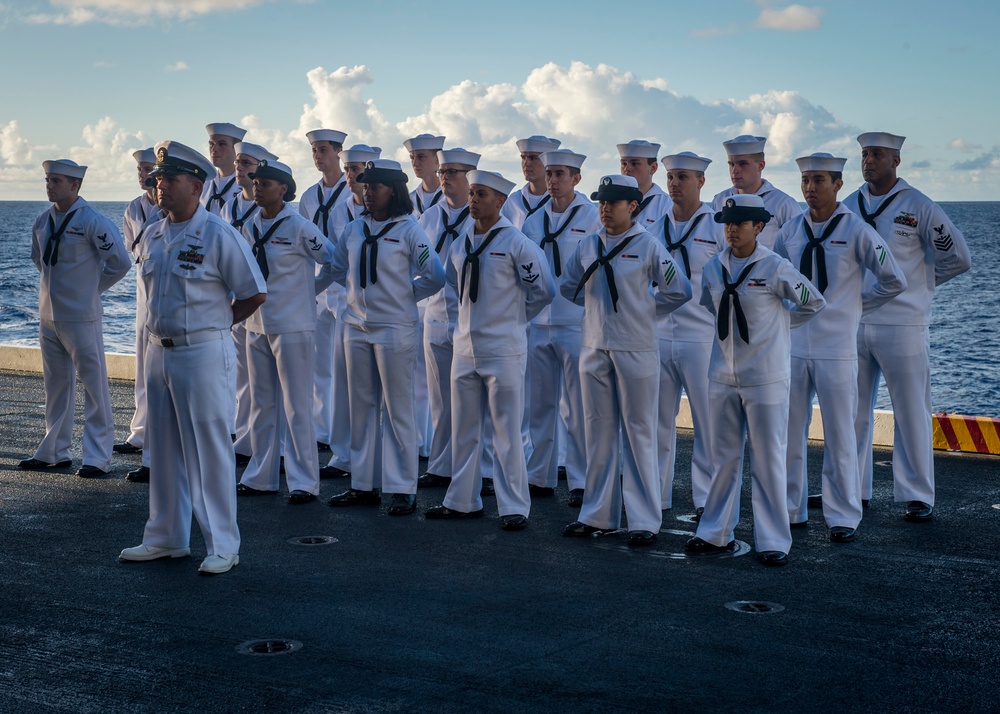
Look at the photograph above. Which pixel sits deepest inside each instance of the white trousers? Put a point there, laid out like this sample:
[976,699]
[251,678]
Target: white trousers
[138,426]
[241,420]
[553,374]
[70,349]
[326,326]
[340,435]
[901,353]
[380,367]
[192,462]
[620,391]
[834,382]
[762,412]
[421,403]
[684,365]
[437,363]
[281,390]
[481,388]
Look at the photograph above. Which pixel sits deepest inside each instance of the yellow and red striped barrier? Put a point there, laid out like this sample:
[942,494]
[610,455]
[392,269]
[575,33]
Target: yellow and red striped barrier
[978,435]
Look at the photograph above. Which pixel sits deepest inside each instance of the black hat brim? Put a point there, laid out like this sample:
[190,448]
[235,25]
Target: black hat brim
[383,176]
[739,214]
[614,192]
[269,172]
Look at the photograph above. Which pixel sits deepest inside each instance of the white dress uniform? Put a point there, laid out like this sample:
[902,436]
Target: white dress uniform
[522,204]
[385,267]
[554,349]
[191,272]
[685,339]
[331,408]
[219,191]
[619,368]
[894,339]
[500,283]
[824,358]
[655,204]
[779,204]
[423,200]
[748,389]
[79,255]
[280,350]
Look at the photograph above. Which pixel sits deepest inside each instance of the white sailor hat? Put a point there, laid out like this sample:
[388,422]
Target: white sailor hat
[821,161]
[255,150]
[384,171]
[144,156]
[173,157]
[458,155]
[881,138]
[744,145]
[537,144]
[617,187]
[226,129]
[740,207]
[360,154]
[638,149]
[562,157]
[282,173]
[64,167]
[685,160]
[427,142]
[491,179]
[337,137]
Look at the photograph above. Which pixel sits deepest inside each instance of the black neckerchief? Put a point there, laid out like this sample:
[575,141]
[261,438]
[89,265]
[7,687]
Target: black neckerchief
[550,237]
[869,218]
[420,205]
[730,296]
[221,195]
[370,248]
[527,206]
[472,259]
[322,215]
[452,229]
[609,273]
[814,244]
[235,220]
[259,242]
[642,205]
[51,255]
[679,244]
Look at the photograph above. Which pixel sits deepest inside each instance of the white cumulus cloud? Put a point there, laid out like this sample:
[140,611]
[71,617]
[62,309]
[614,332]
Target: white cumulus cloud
[794,18]
[14,148]
[963,145]
[178,66]
[126,12]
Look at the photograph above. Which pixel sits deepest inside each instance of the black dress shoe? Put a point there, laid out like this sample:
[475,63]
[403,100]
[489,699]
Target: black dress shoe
[243,490]
[126,448]
[575,498]
[328,472]
[39,465]
[402,503]
[698,513]
[815,500]
[772,558]
[298,497]
[841,534]
[698,546]
[799,524]
[540,490]
[918,512]
[242,459]
[638,539]
[865,502]
[321,446]
[88,471]
[579,529]
[487,490]
[429,480]
[354,497]
[513,522]
[561,471]
[442,512]
[140,475]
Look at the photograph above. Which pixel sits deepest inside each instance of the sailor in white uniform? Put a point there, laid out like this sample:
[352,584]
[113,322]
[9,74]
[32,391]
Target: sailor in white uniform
[894,339]
[444,223]
[533,195]
[686,334]
[638,160]
[331,409]
[279,339]
[386,264]
[354,160]
[79,254]
[756,297]
[200,278]
[222,138]
[553,369]
[423,150]
[746,162]
[239,212]
[501,283]
[835,249]
[623,277]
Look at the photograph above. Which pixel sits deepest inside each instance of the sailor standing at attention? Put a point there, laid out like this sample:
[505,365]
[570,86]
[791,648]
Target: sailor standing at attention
[553,367]
[222,138]
[894,339]
[238,212]
[200,278]
[686,334]
[354,160]
[756,296]
[746,162]
[423,149]
[833,248]
[499,277]
[623,277]
[638,160]
[534,195]
[79,254]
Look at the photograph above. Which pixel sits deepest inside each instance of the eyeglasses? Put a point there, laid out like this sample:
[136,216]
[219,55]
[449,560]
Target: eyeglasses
[245,163]
[450,173]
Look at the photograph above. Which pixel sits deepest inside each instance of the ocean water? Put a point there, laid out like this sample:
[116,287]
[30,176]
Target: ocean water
[965,343]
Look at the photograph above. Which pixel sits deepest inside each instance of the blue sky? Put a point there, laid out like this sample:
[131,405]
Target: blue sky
[95,79]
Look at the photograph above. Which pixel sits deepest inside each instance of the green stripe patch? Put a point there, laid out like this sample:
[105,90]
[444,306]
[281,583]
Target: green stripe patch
[880,249]
[422,258]
[804,295]
[669,274]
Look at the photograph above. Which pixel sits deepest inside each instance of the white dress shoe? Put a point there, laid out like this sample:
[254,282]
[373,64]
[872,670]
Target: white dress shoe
[217,564]
[151,552]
